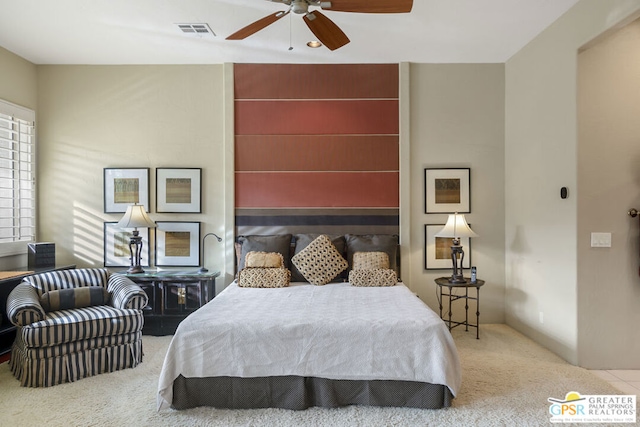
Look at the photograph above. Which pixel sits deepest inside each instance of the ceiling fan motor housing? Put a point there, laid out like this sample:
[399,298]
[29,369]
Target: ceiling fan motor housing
[300,7]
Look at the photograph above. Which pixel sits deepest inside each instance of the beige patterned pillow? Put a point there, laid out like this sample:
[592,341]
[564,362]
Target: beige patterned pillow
[320,261]
[260,277]
[373,277]
[370,260]
[264,259]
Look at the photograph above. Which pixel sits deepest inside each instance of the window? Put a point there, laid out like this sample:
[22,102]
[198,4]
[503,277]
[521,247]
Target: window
[17,178]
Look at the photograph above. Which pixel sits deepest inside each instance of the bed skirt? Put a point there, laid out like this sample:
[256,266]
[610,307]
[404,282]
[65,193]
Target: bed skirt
[298,393]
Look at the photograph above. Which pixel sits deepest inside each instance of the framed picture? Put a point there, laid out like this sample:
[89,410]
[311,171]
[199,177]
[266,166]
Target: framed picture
[124,187]
[116,246]
[177,244]
[178,190]
[437,250]
[447,190]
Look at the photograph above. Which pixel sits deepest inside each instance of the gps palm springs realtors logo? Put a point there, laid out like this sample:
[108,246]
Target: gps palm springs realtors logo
[576,408]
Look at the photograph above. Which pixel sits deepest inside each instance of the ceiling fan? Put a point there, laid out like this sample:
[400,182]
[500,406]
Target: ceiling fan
[325,29]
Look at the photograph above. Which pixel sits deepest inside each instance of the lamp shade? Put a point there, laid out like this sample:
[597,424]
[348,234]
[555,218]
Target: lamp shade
[135,217]
[456,226]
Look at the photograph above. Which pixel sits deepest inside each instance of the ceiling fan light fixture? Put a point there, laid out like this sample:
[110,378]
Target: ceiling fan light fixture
[300,7]
[314,44]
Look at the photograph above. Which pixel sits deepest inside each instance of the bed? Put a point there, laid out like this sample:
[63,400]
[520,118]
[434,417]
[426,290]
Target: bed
[305,345]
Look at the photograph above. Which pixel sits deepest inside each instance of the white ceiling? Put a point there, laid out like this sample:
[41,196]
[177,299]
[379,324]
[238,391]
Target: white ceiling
[145,32]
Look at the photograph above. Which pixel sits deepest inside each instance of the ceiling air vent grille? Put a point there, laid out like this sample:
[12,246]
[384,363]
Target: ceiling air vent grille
[197,30]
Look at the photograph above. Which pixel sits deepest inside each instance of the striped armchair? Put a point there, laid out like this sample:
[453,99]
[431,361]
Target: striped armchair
[74,324]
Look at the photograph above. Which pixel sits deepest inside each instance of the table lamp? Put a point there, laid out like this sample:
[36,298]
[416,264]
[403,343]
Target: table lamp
[456,227]
[135,217]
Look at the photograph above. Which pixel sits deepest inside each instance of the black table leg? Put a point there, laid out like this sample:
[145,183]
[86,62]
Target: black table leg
[478,313]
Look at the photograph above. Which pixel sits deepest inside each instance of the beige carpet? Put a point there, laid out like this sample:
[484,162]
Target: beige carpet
[506,381]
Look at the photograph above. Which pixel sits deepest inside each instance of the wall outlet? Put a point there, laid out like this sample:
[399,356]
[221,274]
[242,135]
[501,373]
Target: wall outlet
[541,317]
[600,240]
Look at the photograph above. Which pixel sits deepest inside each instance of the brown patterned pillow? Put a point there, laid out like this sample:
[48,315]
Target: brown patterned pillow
[373,277]
[261,277]
[303,240]
[280,243]
[320,261]
[373,242]
[264,259]
[370,260]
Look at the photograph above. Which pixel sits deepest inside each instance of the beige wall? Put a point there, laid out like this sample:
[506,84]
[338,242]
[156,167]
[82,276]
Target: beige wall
[92,117]
[609,179]
[152,116]
[457,120]
[18,85]
[541,148]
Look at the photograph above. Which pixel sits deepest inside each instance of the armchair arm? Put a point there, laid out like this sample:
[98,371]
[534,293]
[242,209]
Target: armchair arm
[23,305]
[125,293]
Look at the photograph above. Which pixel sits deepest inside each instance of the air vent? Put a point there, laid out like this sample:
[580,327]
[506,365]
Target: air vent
[197,30]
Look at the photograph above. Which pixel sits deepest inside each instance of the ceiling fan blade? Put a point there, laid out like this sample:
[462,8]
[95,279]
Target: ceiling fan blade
[257,26]
[370,6]
[326,30]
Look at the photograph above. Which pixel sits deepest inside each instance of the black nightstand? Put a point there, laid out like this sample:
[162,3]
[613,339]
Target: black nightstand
[173,295]
[443,282]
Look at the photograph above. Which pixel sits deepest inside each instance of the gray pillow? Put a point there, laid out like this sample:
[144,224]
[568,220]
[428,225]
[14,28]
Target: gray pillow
[373,243]
[303,240]
[64,299]
[280,243]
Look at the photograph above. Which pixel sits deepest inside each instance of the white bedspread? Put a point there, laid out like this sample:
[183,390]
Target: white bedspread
[336,331]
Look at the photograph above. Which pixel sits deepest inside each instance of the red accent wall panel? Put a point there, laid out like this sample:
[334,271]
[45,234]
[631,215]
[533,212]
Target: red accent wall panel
[316,153]
[317,136]
[317,190]
[315,81]
[316,117]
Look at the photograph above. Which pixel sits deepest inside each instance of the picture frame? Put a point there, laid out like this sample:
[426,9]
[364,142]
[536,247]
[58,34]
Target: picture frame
[125,186]
[447,190]
[437,250]
[177,244]
[116,246]
[178,190]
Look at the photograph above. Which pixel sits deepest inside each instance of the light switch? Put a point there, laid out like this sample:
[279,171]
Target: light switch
[600,240]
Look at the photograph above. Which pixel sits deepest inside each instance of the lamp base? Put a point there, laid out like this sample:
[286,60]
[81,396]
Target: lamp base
[135,248]
[457,279]
[135,269]
[457,256]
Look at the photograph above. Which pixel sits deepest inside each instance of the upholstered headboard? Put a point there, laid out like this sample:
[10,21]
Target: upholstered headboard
[320,158]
